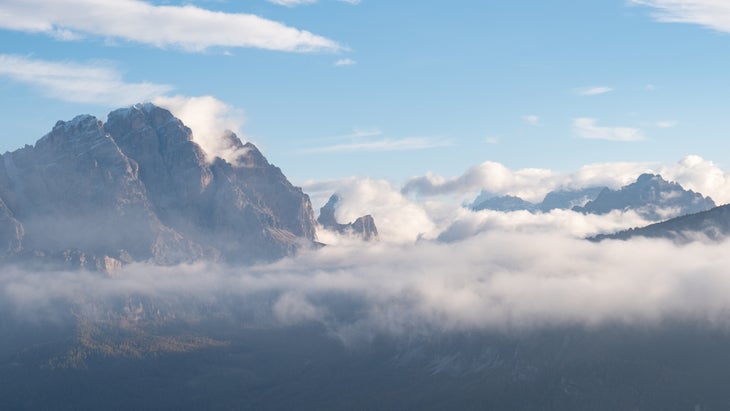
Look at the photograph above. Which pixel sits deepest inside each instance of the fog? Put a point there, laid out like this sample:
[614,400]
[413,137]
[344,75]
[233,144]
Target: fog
[494,281]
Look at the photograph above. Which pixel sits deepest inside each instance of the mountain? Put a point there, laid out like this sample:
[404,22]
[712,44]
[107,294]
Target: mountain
[559,199]
[650,196]
[504,203]
[363,227]
[138,188]
[567,199]
[713,224]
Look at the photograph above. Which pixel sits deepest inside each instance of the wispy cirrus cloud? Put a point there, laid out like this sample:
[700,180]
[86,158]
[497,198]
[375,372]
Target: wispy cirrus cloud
[713,14]
[371,140]
[402,144]
[293,3]
[588,128]
[593,91]
[666,124]
[345,62]
[99,82]
[186,27]
[531,119]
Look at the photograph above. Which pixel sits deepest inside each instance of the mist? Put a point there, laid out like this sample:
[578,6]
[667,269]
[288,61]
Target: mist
[495,281]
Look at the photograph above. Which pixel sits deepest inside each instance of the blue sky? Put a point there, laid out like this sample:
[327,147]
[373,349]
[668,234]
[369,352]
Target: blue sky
[387,89]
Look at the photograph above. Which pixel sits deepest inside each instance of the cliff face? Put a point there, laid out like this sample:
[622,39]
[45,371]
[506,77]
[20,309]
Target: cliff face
[139,189]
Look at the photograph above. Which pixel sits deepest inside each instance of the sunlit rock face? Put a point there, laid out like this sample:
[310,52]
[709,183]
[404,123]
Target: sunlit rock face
[138,188]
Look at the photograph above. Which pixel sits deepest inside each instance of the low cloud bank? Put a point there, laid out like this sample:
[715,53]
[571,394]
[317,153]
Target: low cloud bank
[496,281]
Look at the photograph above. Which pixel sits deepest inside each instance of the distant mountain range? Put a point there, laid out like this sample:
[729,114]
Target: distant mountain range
[650,196]
[138,188]
[559,199]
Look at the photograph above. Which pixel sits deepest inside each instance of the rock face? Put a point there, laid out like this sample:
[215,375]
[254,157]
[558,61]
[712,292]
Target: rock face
[363,227]
[139,189]
[650,196]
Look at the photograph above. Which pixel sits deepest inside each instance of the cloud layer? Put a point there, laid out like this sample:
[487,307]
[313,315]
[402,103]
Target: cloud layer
[187,27]
[496,281]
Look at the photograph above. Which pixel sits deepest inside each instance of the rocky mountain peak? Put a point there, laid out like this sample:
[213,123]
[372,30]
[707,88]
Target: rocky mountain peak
[138,188]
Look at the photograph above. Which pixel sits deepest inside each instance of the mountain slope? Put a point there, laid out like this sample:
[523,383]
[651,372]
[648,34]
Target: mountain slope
[713,224]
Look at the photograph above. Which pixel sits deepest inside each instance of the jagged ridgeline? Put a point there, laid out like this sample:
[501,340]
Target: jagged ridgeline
[138,188]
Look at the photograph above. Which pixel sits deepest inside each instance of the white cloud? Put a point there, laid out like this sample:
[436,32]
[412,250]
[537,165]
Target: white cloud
[364,132]
[403,144]
[666,124]
[713,14]
[497,281]
[208,118]
[531,119]
[492,140]
[186,27]
[589,129]
[291,3]
[493,176]
[703,176]
[465,223]
[345,62]
[692,172]
[593,91]
[99,83]
[357,141]
[531,184]
[398,219]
